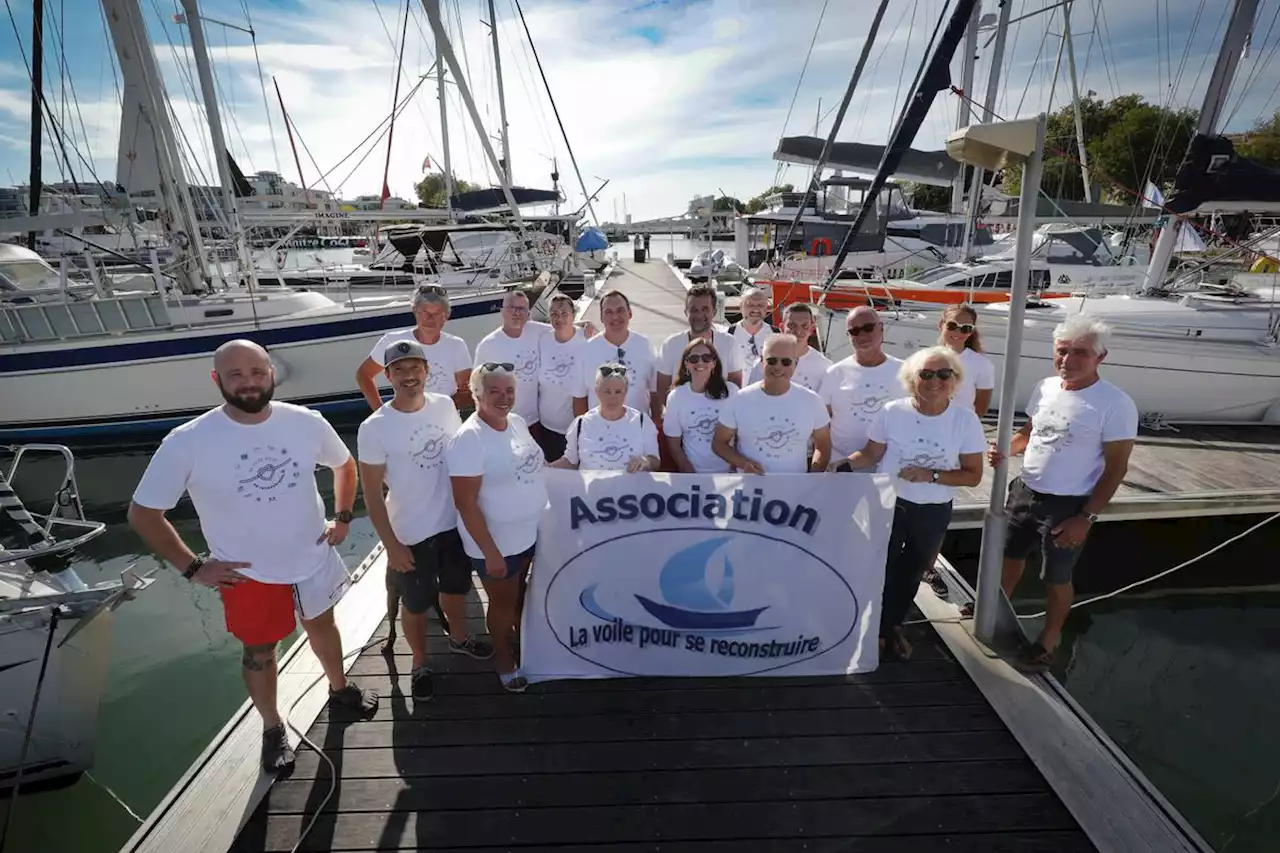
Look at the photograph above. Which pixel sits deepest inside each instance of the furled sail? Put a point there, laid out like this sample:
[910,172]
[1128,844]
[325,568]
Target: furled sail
[1213,177]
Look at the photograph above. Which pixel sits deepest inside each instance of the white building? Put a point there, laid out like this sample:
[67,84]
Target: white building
[273,192]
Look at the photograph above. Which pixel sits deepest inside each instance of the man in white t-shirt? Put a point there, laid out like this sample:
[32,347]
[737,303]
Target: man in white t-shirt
[752,331]
[249,468]
[516,343]
[767,427]
[403,445]
[1077,438]
[447,355]
[700,310]
[558,355]
[619,345]
[801,321]
[856,388]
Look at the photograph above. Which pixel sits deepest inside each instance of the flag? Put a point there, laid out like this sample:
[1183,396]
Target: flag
[426,164]
[1153,197]
[386,191]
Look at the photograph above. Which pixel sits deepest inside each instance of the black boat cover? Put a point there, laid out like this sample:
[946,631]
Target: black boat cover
[1212,173]
[494,197]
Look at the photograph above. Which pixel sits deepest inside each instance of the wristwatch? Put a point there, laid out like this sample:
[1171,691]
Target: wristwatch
[1092,516]
[934,475]
[343,516]
[194,566]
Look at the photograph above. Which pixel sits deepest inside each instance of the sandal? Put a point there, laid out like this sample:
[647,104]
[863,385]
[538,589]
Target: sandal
[513,682]
[1034,658]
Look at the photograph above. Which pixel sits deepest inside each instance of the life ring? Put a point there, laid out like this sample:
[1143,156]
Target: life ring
[1265,265]
[820,243]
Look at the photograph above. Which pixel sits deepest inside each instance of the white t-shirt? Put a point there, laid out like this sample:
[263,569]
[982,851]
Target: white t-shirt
[558,379]
[809,373]
[445,358]
[412,446]
[595,444]
[692,418]
[253,486]
[925,441]
[500,348]
[979,375]
[775,430]
[636,353]
[1068,429]
[856,394]
[513,489]
[751,347]
[673,346]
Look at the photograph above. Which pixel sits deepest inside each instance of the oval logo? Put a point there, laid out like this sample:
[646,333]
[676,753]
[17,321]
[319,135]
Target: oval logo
[709,602]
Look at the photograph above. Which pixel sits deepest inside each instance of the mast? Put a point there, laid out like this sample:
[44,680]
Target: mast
[1075,104]
[37,84]
[502,101]
[395,101]
[988,105]
[444,123]
[1215,97]
[200,53]
[963,119]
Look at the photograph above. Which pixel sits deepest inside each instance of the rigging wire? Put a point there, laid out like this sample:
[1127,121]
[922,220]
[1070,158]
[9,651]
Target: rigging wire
[58,33]
[1257,69]
[49,120]
[777,174]
[902,70]
[262,84]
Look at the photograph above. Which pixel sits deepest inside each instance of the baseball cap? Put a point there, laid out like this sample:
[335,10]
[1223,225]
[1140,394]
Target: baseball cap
[401,350]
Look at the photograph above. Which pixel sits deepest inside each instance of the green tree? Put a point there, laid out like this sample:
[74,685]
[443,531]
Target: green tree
[1128,141]
[728,202]
[755,204]
[927,196]
[1262,144]
[430,189]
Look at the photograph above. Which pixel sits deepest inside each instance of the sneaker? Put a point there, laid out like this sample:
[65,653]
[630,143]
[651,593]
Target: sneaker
[277,755]
[513,682]
[478,649]
[421,685]
[353,698]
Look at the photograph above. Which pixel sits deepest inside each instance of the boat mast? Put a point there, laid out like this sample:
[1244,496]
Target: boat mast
[137,62]
[37,84]
[1215,97]
[502,101]
[444,125]
[964,113]
[988,105]
[1075,104]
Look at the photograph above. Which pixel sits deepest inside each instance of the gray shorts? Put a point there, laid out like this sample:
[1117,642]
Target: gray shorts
[1032,517]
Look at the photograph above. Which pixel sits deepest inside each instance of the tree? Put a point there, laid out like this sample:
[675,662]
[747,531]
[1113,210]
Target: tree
[1129,142]
[756,204]
[728,202]
[430,189]
[927,196]
[1262,144]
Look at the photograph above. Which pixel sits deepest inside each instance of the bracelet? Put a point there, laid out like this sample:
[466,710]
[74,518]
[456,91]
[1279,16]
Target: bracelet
[194,566]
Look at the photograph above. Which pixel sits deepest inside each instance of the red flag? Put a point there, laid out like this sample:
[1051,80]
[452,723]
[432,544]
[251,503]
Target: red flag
[426,164]
[386,191]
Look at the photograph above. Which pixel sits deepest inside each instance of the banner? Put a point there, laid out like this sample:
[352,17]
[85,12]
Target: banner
[706,575]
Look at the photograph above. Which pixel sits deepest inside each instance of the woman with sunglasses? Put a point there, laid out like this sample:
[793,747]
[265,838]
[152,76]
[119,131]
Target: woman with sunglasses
[958,330]
[693,410]
[498,476]
[612,436]
[932,446]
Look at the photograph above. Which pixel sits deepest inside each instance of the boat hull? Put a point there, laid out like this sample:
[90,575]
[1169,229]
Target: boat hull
[674,617]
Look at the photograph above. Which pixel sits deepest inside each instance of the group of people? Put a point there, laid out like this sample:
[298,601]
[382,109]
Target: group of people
[449,496]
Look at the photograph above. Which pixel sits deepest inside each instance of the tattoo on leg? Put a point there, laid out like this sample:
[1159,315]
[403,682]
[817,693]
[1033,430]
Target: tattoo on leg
[256,658]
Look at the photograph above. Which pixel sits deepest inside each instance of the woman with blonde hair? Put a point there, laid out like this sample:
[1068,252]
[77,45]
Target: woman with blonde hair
[958,330]
[932,446]
[693,410]
[612,436]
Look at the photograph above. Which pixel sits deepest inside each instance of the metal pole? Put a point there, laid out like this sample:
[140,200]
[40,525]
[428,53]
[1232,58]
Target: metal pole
[988,105]
[1075,104]
[502,101]
[1215,97]
[444,125]
[964,113]
[993,524]
[200,52]
[37,83]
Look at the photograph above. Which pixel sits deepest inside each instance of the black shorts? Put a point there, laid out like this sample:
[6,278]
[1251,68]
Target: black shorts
[439,565]
[1032,517]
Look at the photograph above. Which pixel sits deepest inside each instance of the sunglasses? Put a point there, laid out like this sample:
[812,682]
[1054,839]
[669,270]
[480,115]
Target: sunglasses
[497,366]
[612,370]
[622,354]
[773,359]
[434,289]
[943,373]
[703,357]
[755,350]
[864,329]
[953,326]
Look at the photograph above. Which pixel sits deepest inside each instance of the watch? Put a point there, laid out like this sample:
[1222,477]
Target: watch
[342,516]
[194,566]
[934,475]
[1092,516]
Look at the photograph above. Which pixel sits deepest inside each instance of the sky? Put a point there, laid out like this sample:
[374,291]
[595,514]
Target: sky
[668,100]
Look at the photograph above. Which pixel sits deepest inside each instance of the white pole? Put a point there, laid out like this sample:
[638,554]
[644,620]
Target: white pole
[502,101]
[1075,104]
[1215,97]
[993,524]
[964,113]
[988,104]
[444,122]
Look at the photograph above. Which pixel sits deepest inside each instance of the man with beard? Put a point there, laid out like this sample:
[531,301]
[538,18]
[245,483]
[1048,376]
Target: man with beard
[249,467]
[700,310]
[752,331]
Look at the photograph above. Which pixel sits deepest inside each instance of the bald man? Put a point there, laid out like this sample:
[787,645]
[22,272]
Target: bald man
[249,467]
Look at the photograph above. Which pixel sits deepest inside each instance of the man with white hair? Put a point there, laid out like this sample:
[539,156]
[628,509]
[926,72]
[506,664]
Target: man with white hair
[752,331]
[855,389]
[1077,439]
[800,321]
[448,360]
[516,342]
[767,428]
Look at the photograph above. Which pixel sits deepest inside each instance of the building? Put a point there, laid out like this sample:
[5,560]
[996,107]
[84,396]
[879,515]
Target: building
[271,191]
[374,202]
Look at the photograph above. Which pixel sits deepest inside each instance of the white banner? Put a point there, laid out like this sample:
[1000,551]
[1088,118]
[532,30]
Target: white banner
[706,575]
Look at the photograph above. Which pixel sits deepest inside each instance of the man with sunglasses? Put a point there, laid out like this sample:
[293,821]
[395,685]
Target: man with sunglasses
[447,355]
[619,345]
[768,426]
[752,331]
[856,388]
[811,366]
[700,310]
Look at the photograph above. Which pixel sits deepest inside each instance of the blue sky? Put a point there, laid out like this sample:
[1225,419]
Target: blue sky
[668,99]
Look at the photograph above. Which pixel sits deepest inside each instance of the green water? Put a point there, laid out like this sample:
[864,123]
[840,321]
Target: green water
[1187,683]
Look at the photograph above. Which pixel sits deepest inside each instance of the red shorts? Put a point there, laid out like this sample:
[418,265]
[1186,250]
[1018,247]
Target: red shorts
[259,614]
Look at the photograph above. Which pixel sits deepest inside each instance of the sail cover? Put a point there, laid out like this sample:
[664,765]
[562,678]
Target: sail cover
[1214,177]
[926,167]
[494,197]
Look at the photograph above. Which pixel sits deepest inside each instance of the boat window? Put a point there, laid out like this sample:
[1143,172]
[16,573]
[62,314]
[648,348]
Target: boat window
[28,274]
[935,275]
[219,312]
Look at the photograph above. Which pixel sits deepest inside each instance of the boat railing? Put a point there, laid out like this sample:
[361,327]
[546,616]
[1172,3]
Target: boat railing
[66,514]
[115,314]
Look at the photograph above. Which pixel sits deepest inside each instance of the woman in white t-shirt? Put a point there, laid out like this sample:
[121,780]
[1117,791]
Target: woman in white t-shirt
[958,330]
[931,445]
[612,436]
[693,410]
[499,487]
